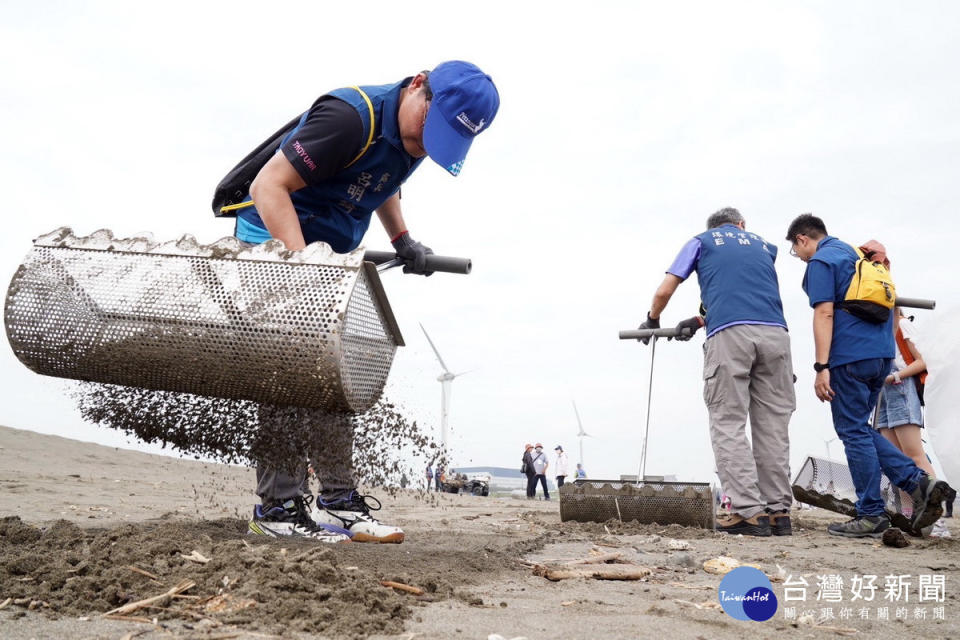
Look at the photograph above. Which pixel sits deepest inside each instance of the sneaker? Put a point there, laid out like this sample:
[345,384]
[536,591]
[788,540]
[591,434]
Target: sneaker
[758,525]
[951,496]
[292,518]
[861,527]
[353,514]
[940,529]
[780,523]
[928,501]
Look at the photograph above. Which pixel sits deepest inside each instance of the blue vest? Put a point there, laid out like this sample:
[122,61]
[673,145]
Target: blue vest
[738,282]
[337,211]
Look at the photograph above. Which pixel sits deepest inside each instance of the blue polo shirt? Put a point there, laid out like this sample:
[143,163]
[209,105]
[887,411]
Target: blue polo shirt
[827,278]
[738,281]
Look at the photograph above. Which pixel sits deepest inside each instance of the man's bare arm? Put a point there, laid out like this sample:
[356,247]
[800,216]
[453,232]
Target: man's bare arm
[822,339]
[391,216]
[664,292]
[271,191]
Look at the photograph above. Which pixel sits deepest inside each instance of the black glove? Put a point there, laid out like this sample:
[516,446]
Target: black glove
[414,254]
[649,323]
[686,328]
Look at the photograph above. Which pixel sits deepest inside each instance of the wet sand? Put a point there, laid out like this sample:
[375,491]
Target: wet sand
[87,529]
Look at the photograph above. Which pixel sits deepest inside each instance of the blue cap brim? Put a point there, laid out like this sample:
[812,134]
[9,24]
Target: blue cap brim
[443,143]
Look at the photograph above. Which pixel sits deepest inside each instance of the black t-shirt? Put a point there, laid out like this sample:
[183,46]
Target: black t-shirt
[329,140]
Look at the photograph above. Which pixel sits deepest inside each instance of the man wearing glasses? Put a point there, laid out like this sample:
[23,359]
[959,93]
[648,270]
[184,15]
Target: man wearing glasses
[853,358]
[320,178]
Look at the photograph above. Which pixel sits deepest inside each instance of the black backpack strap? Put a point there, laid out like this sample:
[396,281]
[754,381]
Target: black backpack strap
[235,186]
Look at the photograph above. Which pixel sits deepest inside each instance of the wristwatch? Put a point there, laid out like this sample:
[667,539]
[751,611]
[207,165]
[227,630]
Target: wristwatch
[819,366]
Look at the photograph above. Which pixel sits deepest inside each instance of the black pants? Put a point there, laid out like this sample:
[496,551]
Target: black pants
[543,481]
[531,485]
[560,480]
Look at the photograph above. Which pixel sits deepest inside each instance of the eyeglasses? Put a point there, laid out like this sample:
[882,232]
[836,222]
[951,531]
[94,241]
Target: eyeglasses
[793,247]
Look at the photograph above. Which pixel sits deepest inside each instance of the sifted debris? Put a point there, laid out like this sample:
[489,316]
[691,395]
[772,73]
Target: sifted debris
[372,444]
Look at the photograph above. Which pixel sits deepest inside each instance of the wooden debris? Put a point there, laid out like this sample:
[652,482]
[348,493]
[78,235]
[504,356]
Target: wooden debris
[703,605]
[182,586]
[603,543]
[143,573]
[597,572]
[140,619]
[417,591]
[690,586]
[598,558]
[6,603]
[196,556]
[187,612]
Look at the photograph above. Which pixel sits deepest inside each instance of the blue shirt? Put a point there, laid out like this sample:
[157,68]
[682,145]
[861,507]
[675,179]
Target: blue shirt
[827,278]
[738,281]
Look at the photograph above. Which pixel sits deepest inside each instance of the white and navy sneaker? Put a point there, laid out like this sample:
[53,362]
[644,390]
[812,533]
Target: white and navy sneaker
[353,514]
[292,518]
[939,529]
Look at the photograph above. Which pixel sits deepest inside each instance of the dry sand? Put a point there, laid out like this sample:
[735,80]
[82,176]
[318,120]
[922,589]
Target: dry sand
[88,528]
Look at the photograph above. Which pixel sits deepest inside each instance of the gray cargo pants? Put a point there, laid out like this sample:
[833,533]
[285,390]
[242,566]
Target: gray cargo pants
[747,370]
[331,454]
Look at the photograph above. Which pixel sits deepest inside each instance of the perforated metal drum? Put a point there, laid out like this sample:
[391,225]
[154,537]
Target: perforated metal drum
[827,484]
[311,328]
[685,503]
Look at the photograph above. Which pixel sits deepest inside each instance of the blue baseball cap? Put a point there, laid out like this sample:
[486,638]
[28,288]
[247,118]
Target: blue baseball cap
[465,101]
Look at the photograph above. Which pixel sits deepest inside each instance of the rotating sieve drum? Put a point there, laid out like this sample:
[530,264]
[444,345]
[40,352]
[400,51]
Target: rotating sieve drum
[310,328]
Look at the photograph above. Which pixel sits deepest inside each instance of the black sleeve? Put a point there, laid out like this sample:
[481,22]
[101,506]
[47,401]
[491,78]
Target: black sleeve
[331,137]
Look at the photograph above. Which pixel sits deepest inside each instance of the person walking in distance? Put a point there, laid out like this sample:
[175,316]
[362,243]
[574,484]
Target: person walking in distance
[526,467]
[563,466]
[540,466]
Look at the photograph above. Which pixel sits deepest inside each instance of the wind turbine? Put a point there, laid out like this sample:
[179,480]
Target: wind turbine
[446,387]
[581,433]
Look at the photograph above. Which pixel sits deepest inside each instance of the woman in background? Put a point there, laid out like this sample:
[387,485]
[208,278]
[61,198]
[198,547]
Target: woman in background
[900,408]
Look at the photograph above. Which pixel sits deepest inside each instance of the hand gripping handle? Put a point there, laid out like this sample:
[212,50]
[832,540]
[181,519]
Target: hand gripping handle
[445,264]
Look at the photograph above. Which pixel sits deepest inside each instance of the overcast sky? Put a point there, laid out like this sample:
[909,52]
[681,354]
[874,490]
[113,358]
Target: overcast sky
[620,130]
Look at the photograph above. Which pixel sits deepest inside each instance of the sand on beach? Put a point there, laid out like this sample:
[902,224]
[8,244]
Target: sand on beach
[85,529]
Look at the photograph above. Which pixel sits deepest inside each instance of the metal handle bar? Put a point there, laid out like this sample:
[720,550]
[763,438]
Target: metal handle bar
[916,303]
[446,264]
[671,332]
[637,334]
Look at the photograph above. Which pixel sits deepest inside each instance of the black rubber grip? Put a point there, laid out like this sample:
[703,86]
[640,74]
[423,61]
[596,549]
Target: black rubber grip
[445,264]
